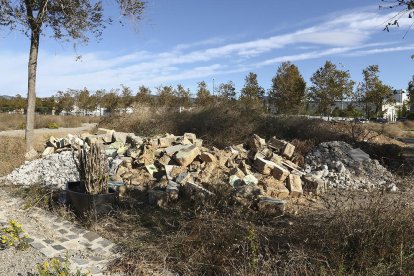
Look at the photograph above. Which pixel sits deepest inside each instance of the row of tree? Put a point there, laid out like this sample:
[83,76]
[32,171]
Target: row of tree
[330,85]
[17,103]
[288,94]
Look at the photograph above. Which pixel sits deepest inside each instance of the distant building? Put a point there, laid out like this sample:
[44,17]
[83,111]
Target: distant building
[390,111]
[99,111]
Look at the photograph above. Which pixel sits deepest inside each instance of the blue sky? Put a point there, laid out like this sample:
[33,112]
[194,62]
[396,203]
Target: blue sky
[187,41]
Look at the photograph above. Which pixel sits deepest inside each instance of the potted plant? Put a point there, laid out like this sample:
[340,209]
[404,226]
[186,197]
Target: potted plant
[91,194]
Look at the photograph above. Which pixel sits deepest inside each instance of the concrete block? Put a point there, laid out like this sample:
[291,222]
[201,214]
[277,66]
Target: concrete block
[280,173]
[185,156]
[294,184]
[264,166]
[313,184]
[271,206]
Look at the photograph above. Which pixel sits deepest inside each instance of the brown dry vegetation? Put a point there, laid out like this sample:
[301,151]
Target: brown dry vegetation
[221,125]
[11,154]
[345,233]
[348,233]
[12,151]
[225,125]
[351,234]
[17,121]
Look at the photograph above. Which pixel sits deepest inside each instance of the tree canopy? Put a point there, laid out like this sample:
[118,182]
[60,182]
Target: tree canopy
[227,91]
[330,84]
[204,97]
[251,92]
[287,93]
[65,20]
[375,93]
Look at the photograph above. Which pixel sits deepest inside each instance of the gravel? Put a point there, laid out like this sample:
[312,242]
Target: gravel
[54,170]
[342,166]
[20,262]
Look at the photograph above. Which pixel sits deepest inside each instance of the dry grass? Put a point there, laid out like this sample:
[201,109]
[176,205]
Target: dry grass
[17,121]
[390,130]
[221,125]
[407,125]
[12,152]
[353,234]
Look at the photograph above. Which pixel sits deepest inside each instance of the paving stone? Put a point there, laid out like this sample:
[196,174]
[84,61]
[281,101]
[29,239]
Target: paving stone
[96,258]
[56,226]
[72,237]
[79,261]
[100,251]
[60,237]
[95,270]
[37,245]
[90,236]
[77,230]
[105,243]
[73,245]
[59,220]
[49,252]
[58,247]
[87,245]
[62,240]
[63,231]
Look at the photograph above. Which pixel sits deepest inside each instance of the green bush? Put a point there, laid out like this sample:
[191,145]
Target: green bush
[53,125]
[410,116]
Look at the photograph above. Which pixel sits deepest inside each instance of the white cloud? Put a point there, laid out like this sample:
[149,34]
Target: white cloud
[344,34]
[381,50]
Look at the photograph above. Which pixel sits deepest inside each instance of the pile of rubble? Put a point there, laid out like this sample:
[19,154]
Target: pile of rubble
[260,174]
[342,166]
[53,170]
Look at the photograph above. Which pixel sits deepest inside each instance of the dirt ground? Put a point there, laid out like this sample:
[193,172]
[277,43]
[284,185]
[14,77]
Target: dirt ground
[47,131]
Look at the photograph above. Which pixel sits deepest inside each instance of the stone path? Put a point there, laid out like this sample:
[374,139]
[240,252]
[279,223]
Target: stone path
[57,238]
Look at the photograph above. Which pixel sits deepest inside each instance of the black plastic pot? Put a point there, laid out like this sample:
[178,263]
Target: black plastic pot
[84,204]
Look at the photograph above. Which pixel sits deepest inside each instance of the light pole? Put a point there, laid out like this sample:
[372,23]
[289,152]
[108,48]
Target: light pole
[213,87]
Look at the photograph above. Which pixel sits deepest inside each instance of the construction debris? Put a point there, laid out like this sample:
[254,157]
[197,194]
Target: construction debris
[262,175]
[339,165]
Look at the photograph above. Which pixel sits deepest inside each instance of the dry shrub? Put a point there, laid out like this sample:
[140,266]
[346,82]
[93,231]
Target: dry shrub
[11,121]
[360,234]
[367,234]
[390,130]
[12,152]
[222,125]
[303,147]
[45,121]
[408,125]
[146,121]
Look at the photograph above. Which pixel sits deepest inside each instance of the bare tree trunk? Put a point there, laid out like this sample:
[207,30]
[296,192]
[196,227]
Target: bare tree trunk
[31,93]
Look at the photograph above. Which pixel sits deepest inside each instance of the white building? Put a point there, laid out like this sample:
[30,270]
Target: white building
[99,111]
[390,111]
